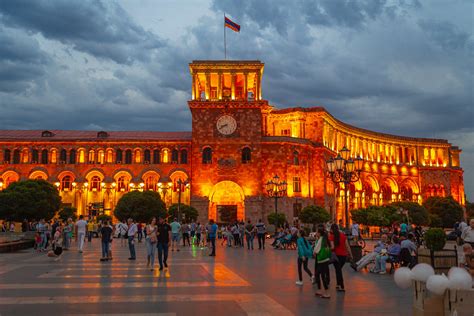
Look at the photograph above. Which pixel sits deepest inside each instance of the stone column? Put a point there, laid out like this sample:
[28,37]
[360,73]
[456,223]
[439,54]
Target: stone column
[245,86]
[232,86]
[257,86]
[219,86]
[208,86]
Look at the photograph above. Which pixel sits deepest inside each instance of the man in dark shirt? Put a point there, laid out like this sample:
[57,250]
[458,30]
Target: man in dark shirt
[163,242]
[106,233]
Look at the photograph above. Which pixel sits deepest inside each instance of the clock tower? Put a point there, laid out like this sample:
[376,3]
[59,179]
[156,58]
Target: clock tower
[227,129]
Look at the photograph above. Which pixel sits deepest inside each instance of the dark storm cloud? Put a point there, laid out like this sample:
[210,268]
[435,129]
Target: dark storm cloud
[102,29]
[21,60]
[445,34]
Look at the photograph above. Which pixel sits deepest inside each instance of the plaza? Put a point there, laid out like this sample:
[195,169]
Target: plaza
[236,282]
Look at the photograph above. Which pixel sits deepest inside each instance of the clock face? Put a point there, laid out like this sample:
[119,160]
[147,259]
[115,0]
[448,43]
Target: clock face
[226,124]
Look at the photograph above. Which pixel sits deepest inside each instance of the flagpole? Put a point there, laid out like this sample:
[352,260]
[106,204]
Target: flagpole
[225,41]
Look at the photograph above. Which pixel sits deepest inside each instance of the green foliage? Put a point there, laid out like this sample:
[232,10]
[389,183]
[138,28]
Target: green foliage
[435,239]
[30,199]
[141,206]
[376,215]
[417,213]
[435,221]
[67,212]
[314,214]
[446,208]
[188,213]
[469,210]
[277,219]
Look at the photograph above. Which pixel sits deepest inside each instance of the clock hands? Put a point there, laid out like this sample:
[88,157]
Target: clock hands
[222,126]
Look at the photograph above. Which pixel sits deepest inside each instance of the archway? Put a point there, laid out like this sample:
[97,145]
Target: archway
[227,202]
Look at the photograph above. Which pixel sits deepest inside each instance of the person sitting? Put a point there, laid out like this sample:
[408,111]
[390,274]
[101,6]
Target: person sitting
[390,254]
[368,258]
[281,242]
[467,259]
[408,251]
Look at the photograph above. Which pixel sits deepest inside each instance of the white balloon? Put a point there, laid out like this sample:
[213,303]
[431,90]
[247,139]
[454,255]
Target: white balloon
[455,270]
[437,284]
[422,271]
[403,277]
[459,279]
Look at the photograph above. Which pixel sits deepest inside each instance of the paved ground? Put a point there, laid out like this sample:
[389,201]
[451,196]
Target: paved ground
[236,282]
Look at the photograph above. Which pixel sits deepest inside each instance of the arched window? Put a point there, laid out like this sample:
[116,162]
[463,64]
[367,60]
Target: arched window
[6,155]
[63,156]
[150,183]
[407,193]
[207,155]
[34,156]
[122,184]
[146,156]
[128,156]
[16,156]
[81,154]
[110,156]
[174,156]
[101,156]
[246,155]
[296,158]
[54,154]
[66,183]
[44,156]
[165,155]
[156,156]
[95,183]
[184,156]
[72,156]
[138,156]
[386,193]
[119,156]
[91,156]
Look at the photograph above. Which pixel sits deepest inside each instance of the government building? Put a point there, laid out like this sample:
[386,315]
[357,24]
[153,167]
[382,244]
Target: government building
[238,143]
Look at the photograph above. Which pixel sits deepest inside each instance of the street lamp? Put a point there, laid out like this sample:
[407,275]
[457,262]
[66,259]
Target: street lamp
[276,189]
[344,169]
[164,187]
[181,185]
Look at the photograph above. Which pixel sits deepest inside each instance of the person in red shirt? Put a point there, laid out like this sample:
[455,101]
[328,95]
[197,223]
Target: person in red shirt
[341,250]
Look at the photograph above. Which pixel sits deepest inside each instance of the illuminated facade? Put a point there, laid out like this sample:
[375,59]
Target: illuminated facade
[237,143]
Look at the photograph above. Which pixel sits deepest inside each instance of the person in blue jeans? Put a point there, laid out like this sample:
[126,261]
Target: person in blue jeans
[163,242]
[132,231]
[212,236]
[106,233]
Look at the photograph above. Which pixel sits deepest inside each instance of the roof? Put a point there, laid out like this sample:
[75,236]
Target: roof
[58,135]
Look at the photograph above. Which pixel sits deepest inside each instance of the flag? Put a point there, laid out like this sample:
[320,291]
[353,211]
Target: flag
[232,25]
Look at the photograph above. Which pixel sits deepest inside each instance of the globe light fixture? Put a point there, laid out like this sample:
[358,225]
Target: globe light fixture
[276,189]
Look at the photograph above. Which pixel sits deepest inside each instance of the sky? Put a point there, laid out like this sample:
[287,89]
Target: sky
[397,66]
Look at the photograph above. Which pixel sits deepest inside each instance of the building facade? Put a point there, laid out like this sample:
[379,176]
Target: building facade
[238,142]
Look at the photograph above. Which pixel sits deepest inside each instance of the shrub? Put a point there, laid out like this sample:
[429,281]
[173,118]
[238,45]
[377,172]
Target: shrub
[67,212]
[417,213]
[277,219]
[314,214]
[446,208]
[435,239]
[30,199]
[141,206]
[435,221]
[188,213]
[103,218]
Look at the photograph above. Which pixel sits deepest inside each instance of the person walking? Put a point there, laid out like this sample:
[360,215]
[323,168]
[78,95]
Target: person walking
[151,240]
[249,234]
[261,231]
[132,231]
[163,242]
[304,253]
[322,252]
[198,234]
[67,233]
[106,236]
[121,229]
[341,249]
[90,231]
[81,229]
[175,229]
[139,232]
[192,228]
[212,233]
[185,232]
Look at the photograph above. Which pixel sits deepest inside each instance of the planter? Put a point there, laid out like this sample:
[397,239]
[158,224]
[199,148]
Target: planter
[441,261]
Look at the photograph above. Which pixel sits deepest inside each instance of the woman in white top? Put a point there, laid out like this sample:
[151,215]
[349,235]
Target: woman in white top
[151,239]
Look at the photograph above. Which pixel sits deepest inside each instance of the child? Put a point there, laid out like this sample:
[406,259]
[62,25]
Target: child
[57,245]
[38,242]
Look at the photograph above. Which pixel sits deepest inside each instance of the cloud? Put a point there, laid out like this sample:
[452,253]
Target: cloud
[445,34]
[102,29]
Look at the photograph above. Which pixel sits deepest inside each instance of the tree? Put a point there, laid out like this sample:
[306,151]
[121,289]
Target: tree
[469,210]
[141,206]
[188,212]
[376,215]
[445,208]
[67,212]
[314,214]
[360,216]
[277,219]
[417,213]
[30,199]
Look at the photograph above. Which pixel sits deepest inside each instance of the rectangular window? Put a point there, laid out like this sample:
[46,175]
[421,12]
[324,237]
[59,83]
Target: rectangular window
[297,209]
[285,132]
[296,184]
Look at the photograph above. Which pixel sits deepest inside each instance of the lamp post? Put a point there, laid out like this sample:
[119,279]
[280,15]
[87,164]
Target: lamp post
[163,187]
[276,189]
[181,185]
[344,169]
